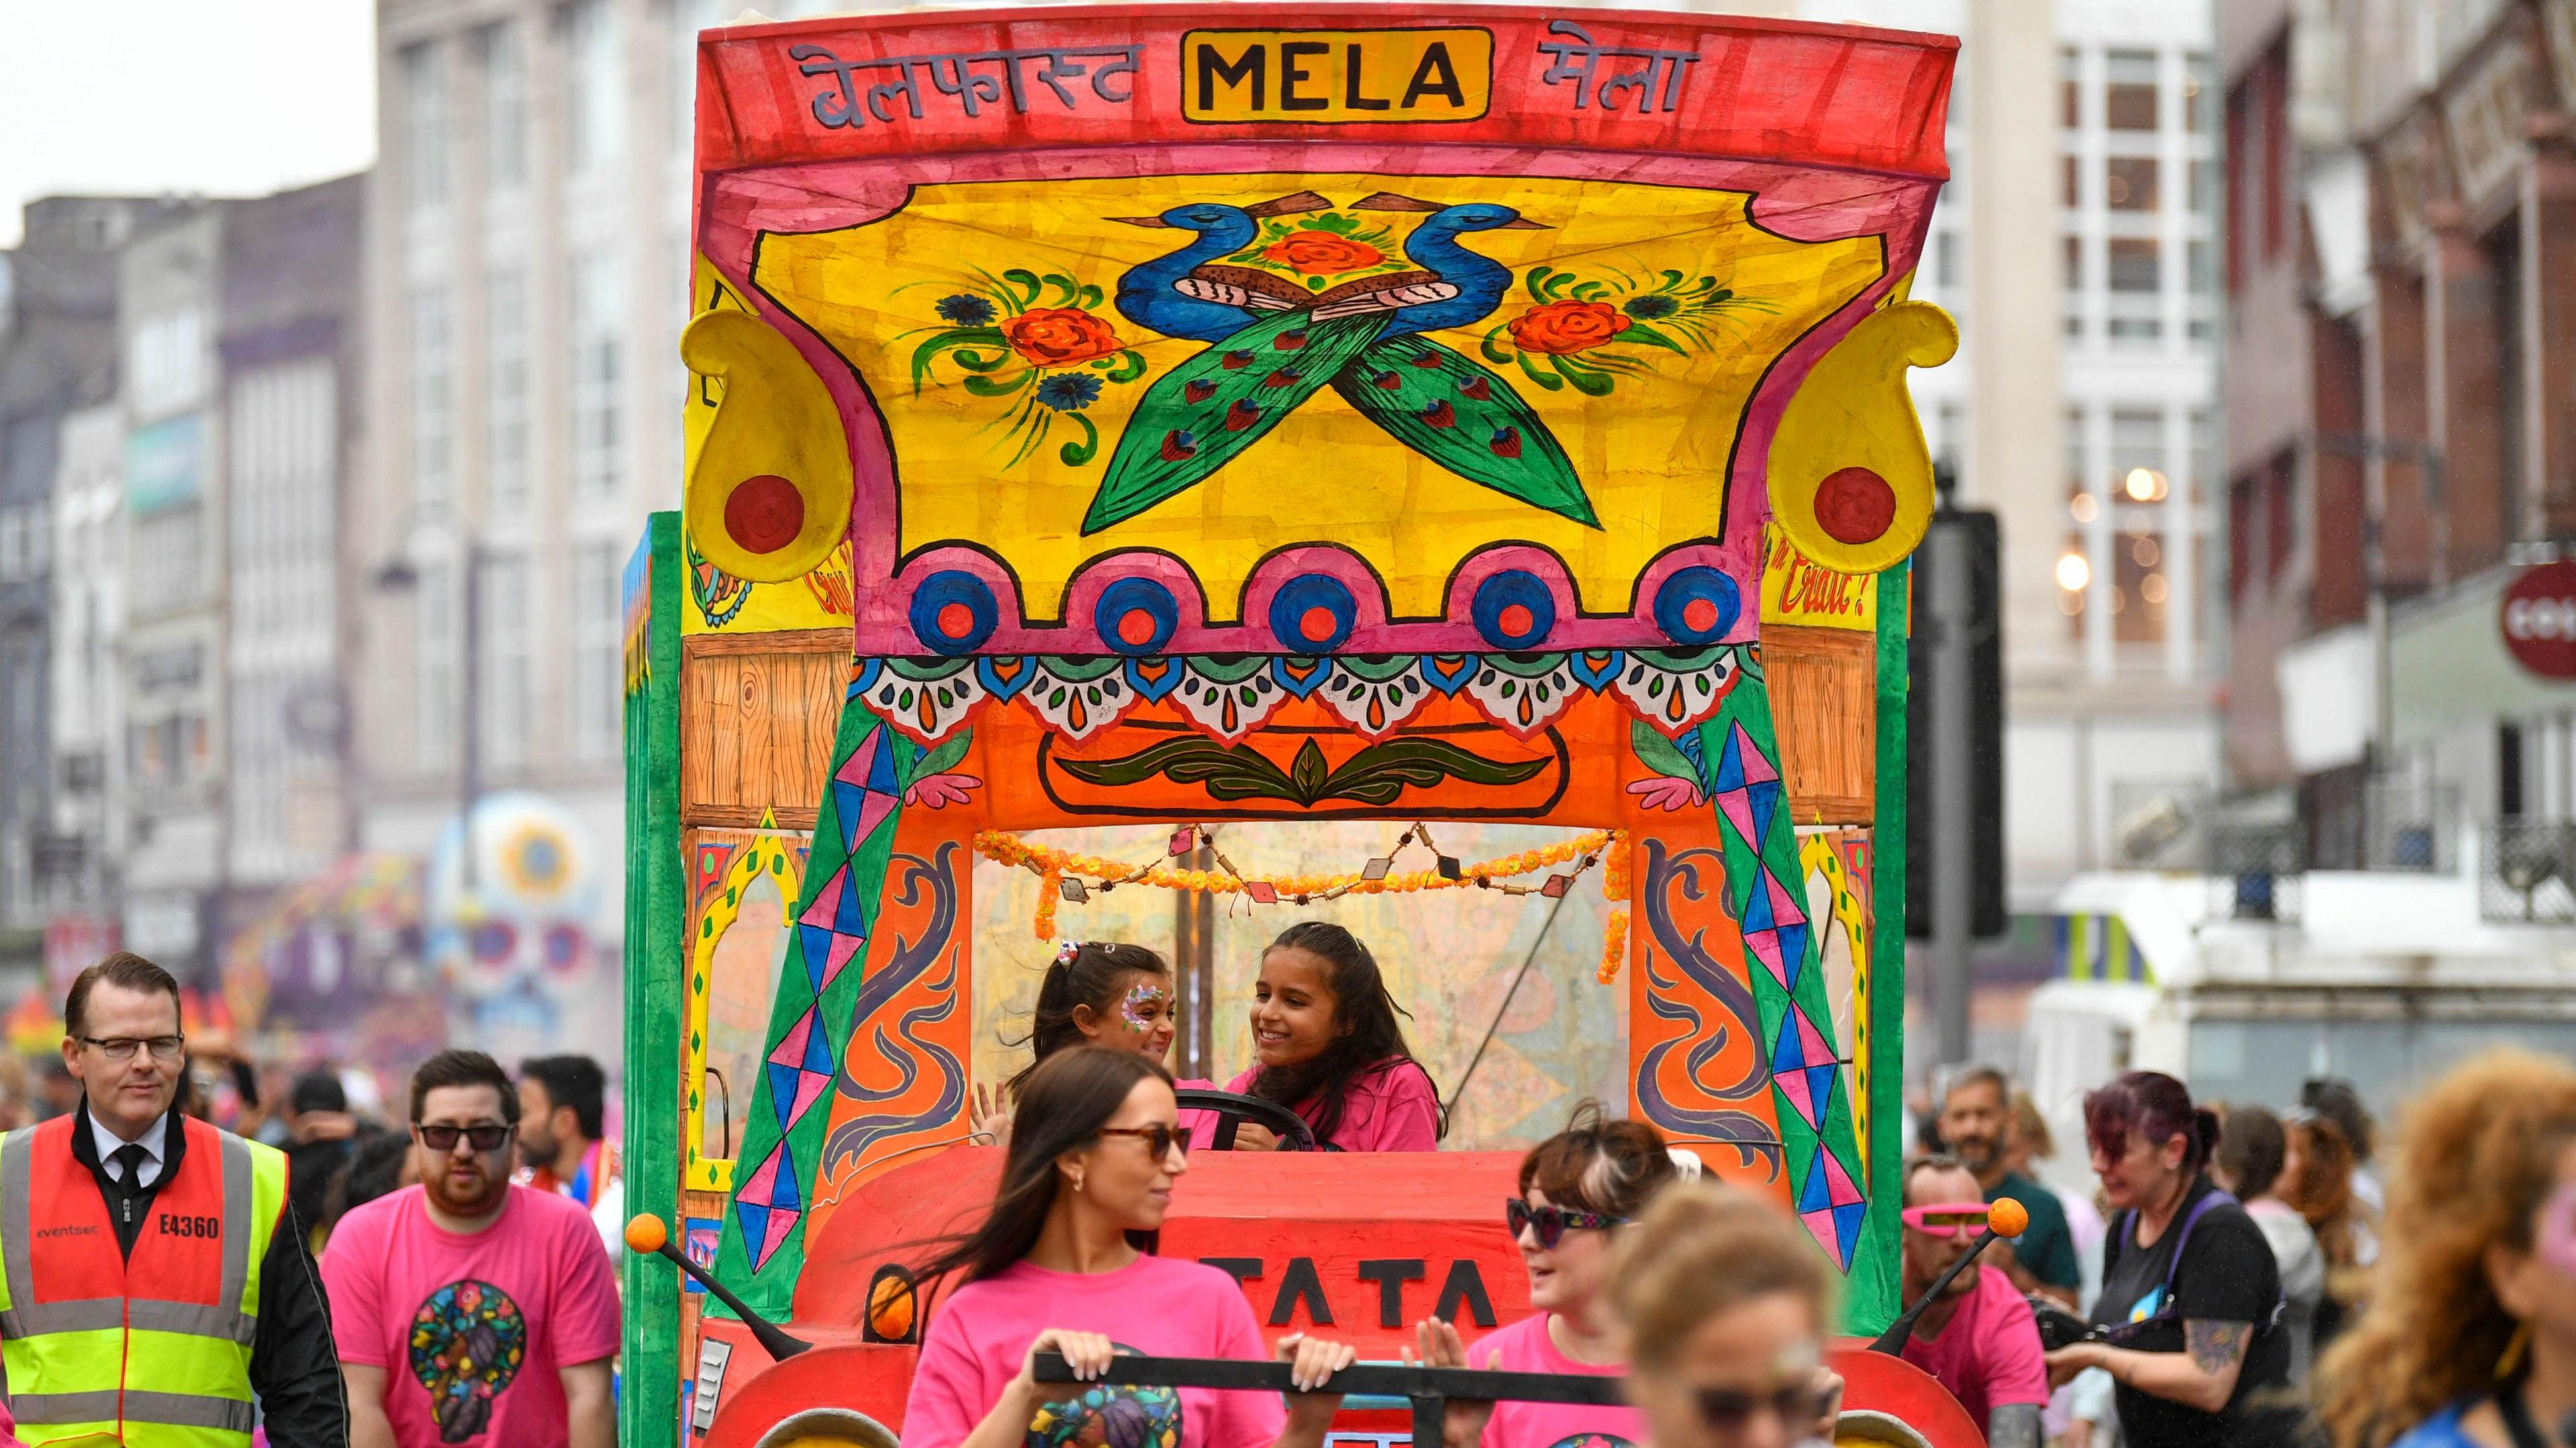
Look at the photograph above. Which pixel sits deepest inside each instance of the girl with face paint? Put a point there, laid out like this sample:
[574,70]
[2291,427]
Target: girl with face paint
[1096,993]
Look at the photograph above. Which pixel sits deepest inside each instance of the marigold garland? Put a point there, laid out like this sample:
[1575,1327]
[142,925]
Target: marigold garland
[1053,865]
[1614,944]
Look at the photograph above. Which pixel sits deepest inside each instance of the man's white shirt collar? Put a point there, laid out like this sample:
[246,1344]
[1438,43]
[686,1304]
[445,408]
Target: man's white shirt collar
[151,1141]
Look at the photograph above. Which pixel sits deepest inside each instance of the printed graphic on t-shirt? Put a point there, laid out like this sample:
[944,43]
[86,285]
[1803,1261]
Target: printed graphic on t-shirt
[467,1343]
[1110,1415]
[1592,1440]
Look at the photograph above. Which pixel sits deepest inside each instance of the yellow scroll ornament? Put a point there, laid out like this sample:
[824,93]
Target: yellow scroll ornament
[769,492]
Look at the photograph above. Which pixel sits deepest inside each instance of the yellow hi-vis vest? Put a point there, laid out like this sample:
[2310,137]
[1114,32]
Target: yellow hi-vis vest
[154,1349]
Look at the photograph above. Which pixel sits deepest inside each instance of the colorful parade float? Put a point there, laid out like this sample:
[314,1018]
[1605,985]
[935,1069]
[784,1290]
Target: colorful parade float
[1187,417]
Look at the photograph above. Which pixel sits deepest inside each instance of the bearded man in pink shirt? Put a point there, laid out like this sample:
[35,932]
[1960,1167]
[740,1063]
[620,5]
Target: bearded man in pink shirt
[469,1311]
[1979,1338]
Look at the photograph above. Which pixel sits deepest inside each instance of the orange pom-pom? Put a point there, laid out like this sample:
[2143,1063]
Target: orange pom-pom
[2009,1218]
[645,1233]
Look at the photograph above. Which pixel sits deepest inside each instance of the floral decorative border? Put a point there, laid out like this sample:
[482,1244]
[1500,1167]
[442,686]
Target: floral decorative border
[1229,696]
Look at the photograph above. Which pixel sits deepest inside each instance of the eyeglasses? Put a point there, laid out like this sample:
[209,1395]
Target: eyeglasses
[122,1048]
[1552,1222]
[1159,1139]
[1731,1410]
[1946,1219]
[481,1138]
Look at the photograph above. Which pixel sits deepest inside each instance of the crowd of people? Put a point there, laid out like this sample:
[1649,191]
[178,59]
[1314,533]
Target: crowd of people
[312,1278]
[301,1275]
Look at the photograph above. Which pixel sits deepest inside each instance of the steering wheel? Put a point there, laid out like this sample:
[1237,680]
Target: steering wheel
[1232,1111]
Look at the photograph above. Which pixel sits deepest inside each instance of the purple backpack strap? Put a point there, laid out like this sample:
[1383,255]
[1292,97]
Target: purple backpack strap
[2191,1219]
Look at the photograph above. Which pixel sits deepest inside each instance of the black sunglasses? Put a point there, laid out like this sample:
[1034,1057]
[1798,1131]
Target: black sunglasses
[1158,1139]
[1552,1222]
[1730,1410]
[443,1138]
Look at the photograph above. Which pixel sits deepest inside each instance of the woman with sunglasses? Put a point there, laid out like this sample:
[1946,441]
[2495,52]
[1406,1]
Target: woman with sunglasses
[1578,1189]
[1064,1262]
[1725,1300]
[2190,1292]
[2469,1340]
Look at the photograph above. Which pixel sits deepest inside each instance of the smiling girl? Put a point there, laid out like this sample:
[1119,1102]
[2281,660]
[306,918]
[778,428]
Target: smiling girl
[1327,1044]
[1095,993]
[1057,1265]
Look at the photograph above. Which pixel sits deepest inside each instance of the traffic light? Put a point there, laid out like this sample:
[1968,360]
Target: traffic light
[1942,814]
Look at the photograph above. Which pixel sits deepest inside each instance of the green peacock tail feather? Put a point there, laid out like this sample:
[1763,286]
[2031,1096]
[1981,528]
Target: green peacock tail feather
[1205,412]
[1467,419]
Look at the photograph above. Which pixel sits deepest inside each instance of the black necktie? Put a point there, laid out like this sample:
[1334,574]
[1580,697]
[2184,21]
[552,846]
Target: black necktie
[129,1161]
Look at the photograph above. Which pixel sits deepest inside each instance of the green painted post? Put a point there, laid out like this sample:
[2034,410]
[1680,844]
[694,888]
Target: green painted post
[649,1392]
[1877,1305]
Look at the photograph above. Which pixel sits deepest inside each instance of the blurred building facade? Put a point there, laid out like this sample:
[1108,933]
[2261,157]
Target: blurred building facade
[2402,340]
[58,355]
[2083,272]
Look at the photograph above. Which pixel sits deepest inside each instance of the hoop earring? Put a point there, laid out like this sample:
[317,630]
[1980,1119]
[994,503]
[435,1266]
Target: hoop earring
[2514,1348]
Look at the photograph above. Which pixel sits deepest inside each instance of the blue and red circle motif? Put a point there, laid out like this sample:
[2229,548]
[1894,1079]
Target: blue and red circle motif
[1313,613]
[1513,610]
[1136,616]
[1697,605]
[953,612]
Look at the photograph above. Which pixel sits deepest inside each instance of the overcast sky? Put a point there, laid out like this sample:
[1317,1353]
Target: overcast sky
[224,97]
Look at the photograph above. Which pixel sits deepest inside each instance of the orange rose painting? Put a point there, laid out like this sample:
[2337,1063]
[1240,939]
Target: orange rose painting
[1322,252]
[1584,329]
[1060,336]
[1558,328]
[1043,364]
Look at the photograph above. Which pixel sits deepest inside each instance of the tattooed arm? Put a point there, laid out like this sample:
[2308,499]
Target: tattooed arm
[2202,1376]
[2014,1425]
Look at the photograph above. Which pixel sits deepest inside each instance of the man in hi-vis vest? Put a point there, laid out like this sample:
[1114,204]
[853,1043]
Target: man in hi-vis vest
[153,1281]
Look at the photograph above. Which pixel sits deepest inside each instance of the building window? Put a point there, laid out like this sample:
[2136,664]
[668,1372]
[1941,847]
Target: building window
[2136,264]
[2070,182]
[424,85]
[169,362]
[2199,92]
[2129,183]
[2204,187]
[598,617]
[169,558]
[2138,487]
[597,304]
[2070,89]
[2129,90]
[505,661]
[1945,259]
[505,109]
[594,103]
[433,403]
[505,400]
[2274,134]
[435,647]
[2074,249]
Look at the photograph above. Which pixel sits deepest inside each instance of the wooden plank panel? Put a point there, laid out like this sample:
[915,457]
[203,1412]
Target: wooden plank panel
[756,732]
[1824,692]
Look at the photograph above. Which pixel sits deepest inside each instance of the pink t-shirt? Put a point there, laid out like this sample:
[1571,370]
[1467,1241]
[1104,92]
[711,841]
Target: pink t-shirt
[472,1328]
[1389,1107]
[1157,1306]
[1526,1348]
[1988,1354]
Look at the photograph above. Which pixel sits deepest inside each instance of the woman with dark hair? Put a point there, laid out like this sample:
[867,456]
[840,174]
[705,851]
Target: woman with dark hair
[2316,1177]
[1095,993]
[2189,1287]
[1579,1191]
[1328,1047]
[1063,1261]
